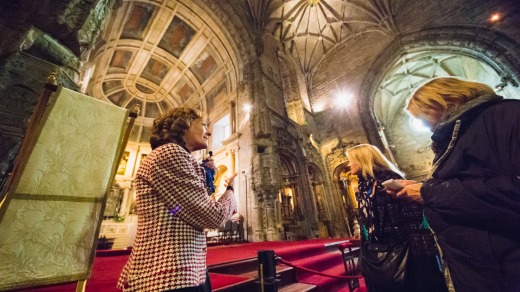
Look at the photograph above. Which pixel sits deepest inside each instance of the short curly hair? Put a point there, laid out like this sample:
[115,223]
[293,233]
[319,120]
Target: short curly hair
[171,126]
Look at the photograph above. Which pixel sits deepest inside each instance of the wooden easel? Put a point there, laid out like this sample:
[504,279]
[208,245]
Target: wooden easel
[7,194]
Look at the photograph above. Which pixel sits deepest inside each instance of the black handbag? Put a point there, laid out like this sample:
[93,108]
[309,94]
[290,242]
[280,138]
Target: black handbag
[381,262]
[384,263]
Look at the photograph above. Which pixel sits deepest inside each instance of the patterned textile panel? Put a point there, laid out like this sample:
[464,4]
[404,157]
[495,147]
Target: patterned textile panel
[48,229]
[75,152]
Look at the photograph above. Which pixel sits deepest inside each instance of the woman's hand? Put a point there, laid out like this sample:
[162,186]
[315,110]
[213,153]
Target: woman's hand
[411,191]
[404,182]
[230,181]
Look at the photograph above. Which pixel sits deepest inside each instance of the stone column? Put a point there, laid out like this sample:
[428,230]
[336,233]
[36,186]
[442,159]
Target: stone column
[233,160]
[233,115]
[127,200]
[272,233]
[257,222]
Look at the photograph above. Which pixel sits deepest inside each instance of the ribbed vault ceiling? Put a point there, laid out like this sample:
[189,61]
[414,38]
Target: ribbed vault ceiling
[308,33]
[159,54]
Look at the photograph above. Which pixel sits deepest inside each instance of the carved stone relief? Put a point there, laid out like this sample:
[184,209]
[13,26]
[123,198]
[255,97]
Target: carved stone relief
[95,23]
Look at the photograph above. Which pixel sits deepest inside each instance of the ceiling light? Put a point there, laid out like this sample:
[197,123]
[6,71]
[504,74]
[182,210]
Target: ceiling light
[343,99]
[247,107]
[495,17]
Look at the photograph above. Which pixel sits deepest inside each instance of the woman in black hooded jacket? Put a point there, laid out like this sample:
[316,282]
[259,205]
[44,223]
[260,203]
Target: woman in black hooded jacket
[472,195]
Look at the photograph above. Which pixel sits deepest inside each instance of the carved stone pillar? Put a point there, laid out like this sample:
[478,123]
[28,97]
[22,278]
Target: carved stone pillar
[258,221]
[271,219]
[309,202]
[261,120]
[127,200]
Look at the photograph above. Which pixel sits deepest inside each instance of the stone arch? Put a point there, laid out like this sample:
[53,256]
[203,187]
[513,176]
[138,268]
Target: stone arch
[294,208]
[315,172]
[491,47]
[288,163]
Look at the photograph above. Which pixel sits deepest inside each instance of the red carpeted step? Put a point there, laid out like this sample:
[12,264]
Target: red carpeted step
[108,265]
[299,251]
[327,284]
[291,249]
[328,263]
[321,262]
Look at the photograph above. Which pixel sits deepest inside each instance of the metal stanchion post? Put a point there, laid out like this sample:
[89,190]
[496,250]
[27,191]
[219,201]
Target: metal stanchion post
[247,207]
[267,281]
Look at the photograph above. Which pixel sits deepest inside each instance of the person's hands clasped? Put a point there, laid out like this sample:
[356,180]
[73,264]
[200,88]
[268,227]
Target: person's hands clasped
[411,190]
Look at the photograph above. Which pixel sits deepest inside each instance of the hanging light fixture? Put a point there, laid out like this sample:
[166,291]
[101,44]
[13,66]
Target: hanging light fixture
[313,2]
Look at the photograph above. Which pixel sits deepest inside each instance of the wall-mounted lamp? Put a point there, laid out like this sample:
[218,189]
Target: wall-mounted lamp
[247,206]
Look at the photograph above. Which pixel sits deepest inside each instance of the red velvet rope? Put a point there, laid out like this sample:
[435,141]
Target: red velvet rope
[316,272]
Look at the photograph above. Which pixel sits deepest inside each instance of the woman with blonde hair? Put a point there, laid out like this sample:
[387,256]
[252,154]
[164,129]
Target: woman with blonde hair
[439,98]
[391,228]
[472,194]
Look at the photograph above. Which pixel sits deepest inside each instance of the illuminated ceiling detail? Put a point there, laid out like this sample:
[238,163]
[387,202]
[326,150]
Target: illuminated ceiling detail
[162,54]
[414,69]
[308,32]
[154,70]
[111,86]
[121,59]
[119,98]
[176,37]
[137,21]
[152,110]
[204,67]
[183,90]
[217,92]
[143,88]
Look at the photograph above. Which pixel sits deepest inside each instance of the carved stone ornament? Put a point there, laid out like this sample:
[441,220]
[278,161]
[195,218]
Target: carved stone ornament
[90,31]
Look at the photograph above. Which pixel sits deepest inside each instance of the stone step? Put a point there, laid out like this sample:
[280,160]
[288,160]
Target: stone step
[297,287]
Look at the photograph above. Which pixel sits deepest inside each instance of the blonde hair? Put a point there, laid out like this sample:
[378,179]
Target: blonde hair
[444,94]
[369,158]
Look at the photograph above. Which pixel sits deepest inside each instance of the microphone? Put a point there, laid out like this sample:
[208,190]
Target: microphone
[210,173]
[210,155]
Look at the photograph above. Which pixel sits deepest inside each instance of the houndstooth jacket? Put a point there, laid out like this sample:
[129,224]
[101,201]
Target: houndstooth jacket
[173,207]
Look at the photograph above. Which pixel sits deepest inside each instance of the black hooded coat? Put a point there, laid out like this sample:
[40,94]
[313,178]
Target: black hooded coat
[472,198]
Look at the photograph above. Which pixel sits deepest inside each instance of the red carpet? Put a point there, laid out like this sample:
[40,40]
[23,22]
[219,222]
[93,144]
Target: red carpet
[308,253]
